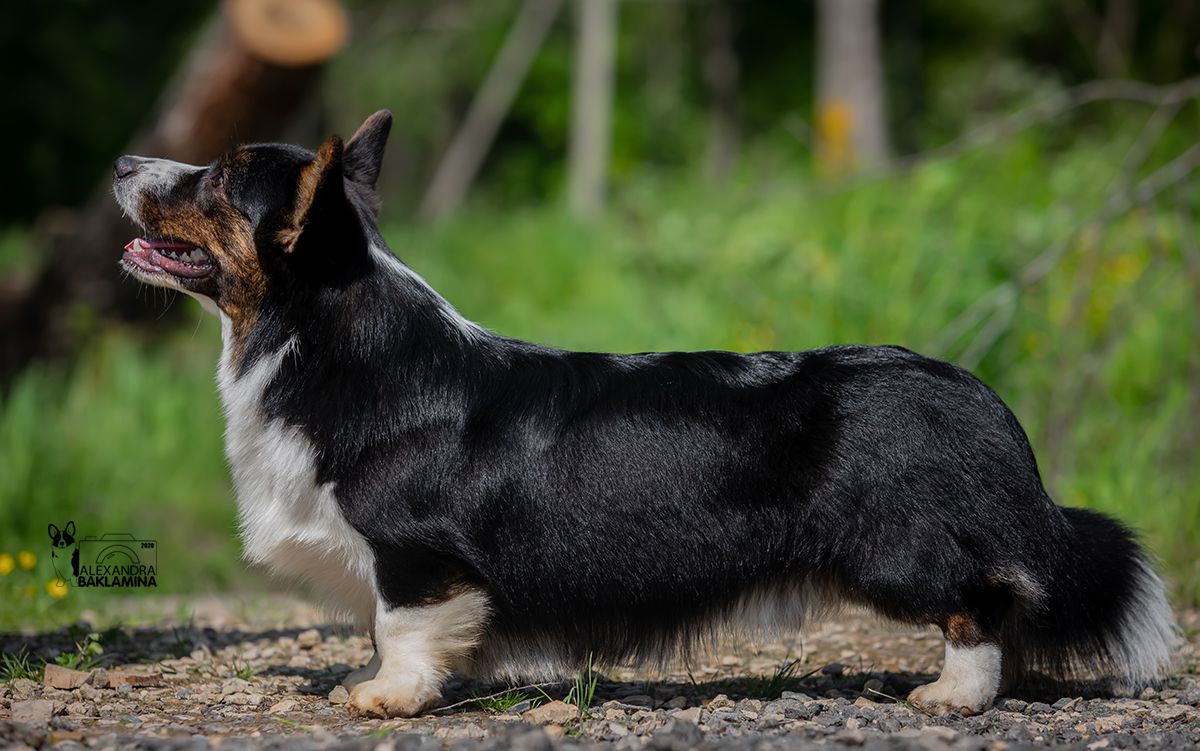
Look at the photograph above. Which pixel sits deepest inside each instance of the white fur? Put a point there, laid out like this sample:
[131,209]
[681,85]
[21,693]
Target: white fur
[1142,651]
[968,684]
[417,648]
[289,523]
[155,176]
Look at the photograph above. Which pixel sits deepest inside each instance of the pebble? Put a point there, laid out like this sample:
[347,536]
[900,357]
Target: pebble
[552,713]
[308,639]
[33,711]
[834,669]
[339,695]
[56,676]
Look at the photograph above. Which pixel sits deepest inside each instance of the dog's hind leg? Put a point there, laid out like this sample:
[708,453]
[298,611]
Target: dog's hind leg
[971,671]
[416,647]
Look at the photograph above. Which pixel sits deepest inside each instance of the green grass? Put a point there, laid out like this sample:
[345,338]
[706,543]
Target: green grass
[1097,358]
[20,665]
[501,703]
[785,677]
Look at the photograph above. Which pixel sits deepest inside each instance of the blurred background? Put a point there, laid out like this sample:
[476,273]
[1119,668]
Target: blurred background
[1010,186]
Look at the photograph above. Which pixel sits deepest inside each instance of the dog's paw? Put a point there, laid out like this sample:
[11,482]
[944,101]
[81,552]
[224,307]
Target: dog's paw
[392,696]
[943,697]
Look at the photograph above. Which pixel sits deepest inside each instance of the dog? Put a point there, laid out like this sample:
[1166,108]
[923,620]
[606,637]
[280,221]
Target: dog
[506,509]
[61,540]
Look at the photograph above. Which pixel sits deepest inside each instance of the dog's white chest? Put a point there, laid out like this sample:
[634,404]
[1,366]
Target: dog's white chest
[289,523]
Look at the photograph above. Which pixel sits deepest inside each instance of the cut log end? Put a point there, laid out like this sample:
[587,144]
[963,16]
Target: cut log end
[289,32]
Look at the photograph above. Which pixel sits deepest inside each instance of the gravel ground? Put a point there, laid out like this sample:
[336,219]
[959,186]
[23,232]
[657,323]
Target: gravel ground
[264,674]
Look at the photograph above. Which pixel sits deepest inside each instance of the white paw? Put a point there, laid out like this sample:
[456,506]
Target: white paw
[943,697]
[396,695]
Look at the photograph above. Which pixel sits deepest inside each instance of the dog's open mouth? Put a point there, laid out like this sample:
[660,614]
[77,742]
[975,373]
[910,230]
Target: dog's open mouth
[175,258]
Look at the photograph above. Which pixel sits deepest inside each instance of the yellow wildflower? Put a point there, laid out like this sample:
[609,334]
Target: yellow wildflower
[6,564]
[57,588]
[26,560]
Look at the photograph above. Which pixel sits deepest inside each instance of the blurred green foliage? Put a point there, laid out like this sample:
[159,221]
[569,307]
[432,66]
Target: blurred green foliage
[1098,358]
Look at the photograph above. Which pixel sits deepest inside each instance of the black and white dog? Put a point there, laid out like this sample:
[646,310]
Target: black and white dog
[508,509]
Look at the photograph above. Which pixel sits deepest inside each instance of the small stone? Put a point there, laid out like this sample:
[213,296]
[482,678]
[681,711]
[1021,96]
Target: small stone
[1097,745]
[873,687]
[339,695]
[795,695]
[617,730]
[720,701]
[119,679]
[33,711]
[82,709]
[56,676]
[639,700]
[552,713]
[522,706]
[1039,707]
[691,714]
[25,688]
[1172,711]
[677,735]
[308,639]
[863,701]
[183,693]
[1109,723]
[677,702]
[1011,705]
[1066,704]
[287,705]
[98,678]
[834,669]
[854,723]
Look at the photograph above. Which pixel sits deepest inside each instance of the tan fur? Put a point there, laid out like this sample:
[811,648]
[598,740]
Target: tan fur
[326,167]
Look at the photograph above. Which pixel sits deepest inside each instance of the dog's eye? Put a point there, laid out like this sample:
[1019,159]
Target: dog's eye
[217,179]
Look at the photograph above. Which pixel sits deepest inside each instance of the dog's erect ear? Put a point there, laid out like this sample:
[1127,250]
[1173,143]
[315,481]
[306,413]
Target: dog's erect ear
[319,190]
[69,532]
[55,535]
[364,151]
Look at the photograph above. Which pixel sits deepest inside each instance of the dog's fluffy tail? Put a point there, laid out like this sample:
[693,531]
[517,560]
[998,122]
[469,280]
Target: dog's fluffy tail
[1103,611]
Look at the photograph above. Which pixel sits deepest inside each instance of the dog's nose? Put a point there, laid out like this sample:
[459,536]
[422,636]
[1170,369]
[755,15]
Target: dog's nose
[124,167]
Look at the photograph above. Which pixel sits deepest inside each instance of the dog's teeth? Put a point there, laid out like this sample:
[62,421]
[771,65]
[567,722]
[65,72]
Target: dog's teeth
[196,256]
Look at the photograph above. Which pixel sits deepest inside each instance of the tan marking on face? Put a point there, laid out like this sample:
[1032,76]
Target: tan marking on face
[223,232]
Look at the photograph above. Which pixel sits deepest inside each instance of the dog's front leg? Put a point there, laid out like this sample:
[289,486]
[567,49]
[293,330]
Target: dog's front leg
[415,647]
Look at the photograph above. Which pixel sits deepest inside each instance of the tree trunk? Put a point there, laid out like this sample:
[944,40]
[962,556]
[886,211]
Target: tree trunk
[721,79]
[591,106]
[461,163]
[252,70]
[851,121]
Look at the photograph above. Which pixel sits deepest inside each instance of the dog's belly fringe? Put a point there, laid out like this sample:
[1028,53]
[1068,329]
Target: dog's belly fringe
[763,613]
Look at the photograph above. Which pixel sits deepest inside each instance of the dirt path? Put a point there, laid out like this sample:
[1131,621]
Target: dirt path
[253,674]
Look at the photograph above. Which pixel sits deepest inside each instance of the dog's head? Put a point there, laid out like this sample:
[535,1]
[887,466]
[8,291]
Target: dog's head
[258,214]
[62,538]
